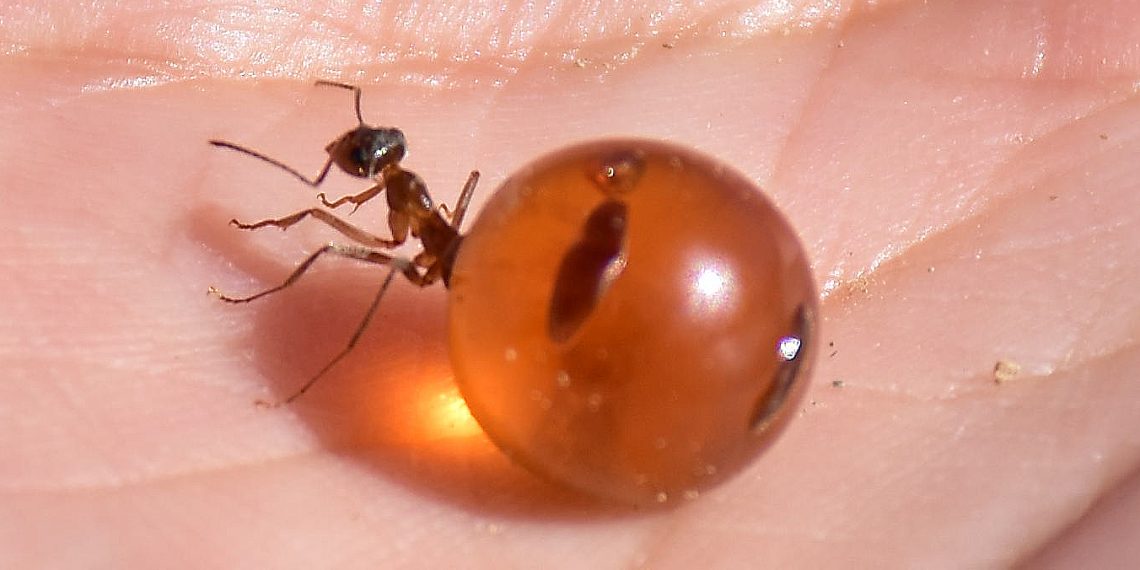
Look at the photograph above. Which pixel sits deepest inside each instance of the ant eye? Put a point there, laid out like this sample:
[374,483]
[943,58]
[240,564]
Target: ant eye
[365,159]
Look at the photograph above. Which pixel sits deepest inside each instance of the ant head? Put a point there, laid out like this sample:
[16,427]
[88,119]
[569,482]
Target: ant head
[366,151]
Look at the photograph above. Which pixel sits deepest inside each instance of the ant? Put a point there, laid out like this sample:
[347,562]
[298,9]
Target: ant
[373,153]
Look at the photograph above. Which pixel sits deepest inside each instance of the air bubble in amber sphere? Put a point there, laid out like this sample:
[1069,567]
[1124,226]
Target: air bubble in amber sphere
[631,319]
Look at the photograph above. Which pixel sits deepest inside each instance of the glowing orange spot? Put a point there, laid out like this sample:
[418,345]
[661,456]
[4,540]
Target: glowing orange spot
[446,415]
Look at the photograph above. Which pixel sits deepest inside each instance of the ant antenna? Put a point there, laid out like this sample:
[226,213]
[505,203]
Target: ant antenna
[355,92]
[314,182]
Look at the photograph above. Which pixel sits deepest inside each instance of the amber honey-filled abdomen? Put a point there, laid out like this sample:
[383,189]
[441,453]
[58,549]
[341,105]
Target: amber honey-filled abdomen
[631,319]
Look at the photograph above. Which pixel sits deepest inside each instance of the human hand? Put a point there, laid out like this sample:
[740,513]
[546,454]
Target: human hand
[962,173]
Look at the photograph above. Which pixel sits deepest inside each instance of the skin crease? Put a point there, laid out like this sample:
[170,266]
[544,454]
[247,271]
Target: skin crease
[962,173]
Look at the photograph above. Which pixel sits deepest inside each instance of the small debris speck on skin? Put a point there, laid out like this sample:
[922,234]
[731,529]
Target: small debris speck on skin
[1006,370]
[837,383]
[862,284]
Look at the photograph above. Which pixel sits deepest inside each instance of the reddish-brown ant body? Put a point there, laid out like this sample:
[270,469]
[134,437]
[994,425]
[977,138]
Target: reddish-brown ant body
[373,153]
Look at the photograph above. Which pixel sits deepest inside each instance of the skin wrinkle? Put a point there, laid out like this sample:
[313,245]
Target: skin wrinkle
[1114,480]
[907,239]
[992,209]
[221,468]
[1110,507]
[230,39]
[780,162]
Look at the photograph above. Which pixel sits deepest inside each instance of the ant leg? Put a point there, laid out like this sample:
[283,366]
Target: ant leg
[407,268]
[463,201]
[313,182]
[292,278]
[348,230]
[355,91]
[355,199]
[397,264]
[349,251]
[347,348]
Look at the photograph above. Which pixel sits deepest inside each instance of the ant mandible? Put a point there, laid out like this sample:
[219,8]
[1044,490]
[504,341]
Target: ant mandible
[373,153]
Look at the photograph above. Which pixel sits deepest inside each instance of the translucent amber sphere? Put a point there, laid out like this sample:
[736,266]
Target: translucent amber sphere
[631,319]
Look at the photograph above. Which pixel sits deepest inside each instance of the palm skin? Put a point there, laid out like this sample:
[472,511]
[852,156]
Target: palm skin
[963,174]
